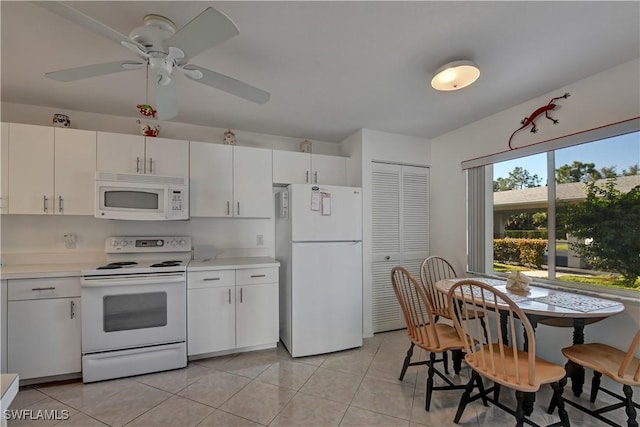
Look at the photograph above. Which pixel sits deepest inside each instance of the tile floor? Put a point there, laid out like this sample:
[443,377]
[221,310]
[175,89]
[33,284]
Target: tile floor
[357,387]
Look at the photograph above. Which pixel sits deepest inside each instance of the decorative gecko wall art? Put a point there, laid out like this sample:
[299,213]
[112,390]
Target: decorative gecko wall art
[530,120]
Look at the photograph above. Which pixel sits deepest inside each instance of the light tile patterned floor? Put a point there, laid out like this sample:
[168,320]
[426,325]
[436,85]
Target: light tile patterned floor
[357,387]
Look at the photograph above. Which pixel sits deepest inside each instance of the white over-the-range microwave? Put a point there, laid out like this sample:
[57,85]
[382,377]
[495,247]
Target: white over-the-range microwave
[141,197]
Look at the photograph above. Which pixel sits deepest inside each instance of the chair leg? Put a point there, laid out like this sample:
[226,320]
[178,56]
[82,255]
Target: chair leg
[407,360]
[629,409]
[558,389]
[466,397]
[520,397]
[429,387]
[595,386]
[457,356]
[445,362]
[483,394]
[496,392]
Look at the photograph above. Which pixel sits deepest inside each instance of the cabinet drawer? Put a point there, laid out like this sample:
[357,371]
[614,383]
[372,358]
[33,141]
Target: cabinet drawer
[26,289]
[210,279]
[252,276]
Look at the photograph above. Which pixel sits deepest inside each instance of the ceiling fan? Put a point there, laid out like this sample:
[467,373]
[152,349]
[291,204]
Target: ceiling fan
[163,48]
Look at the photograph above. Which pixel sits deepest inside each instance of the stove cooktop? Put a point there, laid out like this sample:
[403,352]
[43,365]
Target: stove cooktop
[117,265]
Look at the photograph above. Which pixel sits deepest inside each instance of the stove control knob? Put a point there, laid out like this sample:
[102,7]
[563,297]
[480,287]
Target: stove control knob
[124,243]
[182,242]
[174,242]
[114,243]
[160,242]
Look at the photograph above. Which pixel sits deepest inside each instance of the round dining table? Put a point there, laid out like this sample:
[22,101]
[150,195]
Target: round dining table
[552,307]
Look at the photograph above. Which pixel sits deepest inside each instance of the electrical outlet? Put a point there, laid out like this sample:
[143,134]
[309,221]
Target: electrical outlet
[259,240]
[70,240]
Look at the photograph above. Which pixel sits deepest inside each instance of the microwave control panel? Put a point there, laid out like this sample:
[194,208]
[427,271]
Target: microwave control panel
[176,200]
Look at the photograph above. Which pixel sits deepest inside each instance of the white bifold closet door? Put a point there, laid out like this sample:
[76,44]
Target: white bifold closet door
[400,234]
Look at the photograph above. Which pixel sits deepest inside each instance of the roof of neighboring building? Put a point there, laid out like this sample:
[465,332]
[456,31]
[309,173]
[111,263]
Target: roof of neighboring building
[537,196]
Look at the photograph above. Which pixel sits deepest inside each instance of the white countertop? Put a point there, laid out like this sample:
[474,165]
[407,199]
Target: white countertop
[231,263]
[37,271]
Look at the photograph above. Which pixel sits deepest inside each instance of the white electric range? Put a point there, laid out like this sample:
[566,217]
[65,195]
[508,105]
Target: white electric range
[134,308]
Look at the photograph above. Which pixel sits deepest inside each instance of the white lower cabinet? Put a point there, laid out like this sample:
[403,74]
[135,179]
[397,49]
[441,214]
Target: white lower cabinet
[43,327]
[231,309]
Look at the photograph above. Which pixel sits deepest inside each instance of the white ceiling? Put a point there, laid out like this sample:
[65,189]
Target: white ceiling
[331,67]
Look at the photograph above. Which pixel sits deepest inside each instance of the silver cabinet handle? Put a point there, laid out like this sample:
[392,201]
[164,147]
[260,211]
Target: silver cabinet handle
[315,175]
[150,165]
[238,208]
[45,203]
[258,275]
[50,288]
[60,201]
[240,295]
[229,295]
[137,164]
[228,207]
[73,309]
[307,178]
[206,279]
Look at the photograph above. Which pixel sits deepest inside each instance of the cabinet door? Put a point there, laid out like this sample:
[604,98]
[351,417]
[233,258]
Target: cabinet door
[169,157]
[211,180]
[291,167]
[31,171]
[256,315]
[118,152]
[252,182]
[329,170]
[210,320]
[75,170]
[4,169]
[43,337]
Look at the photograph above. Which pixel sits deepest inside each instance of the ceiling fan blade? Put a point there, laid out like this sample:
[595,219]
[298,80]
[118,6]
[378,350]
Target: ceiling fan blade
[166,101]
[85,21]
[87,71]
[203,32]
[229,85]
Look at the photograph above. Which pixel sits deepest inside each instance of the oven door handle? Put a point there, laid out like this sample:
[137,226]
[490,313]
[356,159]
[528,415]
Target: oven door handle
[89,282]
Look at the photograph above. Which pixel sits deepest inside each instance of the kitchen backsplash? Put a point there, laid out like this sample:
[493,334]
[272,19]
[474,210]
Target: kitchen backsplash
[39,234]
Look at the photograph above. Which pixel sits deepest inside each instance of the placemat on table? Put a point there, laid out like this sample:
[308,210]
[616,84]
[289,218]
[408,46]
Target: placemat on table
[581,303]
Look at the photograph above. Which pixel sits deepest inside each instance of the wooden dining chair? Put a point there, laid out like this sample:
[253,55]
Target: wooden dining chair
[433,269]
[495,360]
[622,367]
[423,331]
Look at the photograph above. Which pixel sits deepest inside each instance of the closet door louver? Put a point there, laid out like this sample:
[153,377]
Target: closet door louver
[400,234]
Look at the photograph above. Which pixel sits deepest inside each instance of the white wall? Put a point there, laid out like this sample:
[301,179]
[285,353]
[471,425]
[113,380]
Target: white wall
[39,233]
[368,145]
[599,100]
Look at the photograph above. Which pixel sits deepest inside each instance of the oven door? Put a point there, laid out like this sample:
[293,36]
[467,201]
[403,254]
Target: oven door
[129,311]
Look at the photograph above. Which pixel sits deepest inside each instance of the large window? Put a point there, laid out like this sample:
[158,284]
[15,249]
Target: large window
[570,215]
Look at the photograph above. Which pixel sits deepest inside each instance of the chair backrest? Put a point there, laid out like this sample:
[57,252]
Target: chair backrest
[416,308]
[436,268]
[500,357]
[630,356]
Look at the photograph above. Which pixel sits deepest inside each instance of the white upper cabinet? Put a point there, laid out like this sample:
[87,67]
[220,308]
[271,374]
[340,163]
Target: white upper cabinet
[167,157]
[328,170]
[211,180]
[74,171]
[4,169]
[252,194]
[31,169]
[120,153]
[230,181]
[51,170]
[138,154]
[292,167]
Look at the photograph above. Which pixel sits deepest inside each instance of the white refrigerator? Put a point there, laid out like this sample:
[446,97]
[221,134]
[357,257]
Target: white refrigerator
[319,246]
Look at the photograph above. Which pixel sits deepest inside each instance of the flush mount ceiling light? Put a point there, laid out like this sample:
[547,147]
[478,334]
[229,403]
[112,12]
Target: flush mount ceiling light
[455,75]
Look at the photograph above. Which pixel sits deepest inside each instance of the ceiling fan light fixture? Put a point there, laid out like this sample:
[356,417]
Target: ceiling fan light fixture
[455,75]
